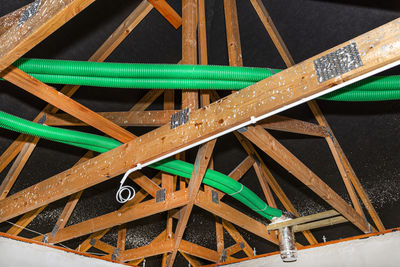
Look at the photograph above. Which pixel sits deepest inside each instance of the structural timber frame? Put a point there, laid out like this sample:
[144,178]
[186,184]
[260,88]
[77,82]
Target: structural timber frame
[255,108]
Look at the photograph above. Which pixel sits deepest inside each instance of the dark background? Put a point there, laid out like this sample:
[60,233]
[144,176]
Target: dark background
[368,132]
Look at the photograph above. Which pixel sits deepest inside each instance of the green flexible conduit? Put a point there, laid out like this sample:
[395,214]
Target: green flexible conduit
[164,76]
[102,144]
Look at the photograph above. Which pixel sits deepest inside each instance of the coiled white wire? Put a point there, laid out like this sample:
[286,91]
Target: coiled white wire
[129,190]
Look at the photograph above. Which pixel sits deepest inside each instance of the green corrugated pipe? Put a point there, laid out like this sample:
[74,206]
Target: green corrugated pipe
[142,83]
[102,144]
[164,76]
[80,139]
[132,70]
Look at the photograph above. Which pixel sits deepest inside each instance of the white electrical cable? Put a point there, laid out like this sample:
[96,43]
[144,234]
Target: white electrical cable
[254,119]
[127,188]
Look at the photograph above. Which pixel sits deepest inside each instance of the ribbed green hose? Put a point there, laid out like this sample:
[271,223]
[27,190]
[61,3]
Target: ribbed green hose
[164,76]
[142,83]
[102,144]
[132,70]
[84,140]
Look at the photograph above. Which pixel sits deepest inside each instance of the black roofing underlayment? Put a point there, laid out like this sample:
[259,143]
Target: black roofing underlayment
[368,132]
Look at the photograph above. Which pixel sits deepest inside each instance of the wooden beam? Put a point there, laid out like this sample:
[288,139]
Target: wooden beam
[264,185]
[139,197]
[198,251]
[320,224]
[349,176]
[124,215]
[272,31]
[144,182]
[149,118]
[282,123]
[304,219]
[54,97]
[273,183]
[121,238]
[100,55]
[234,233]
[24,221]
[235,248]
[236,217]
[151,249]
[219,235]
[16,168]
[123,30]
[167,12]
[194,262]
[103,246]
[47,17]
[221,117]
[200,168]
[12,18]
[280,154]
[232,33]
[189,48]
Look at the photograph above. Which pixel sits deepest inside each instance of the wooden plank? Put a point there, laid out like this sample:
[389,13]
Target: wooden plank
[235,248]
[272,31]
[149,118]
[121,238]
[236,217]
[193,262]
[103,246]
[282,123]
[264,185]
[304,219]
[24,221]
[234,233]
[320,224]
[219,235]
[198,251]
[12,18]
[54,97]
[16,168]
[123,30]
[200,168]
[280,154]
[273,183]
[189,48]
[345,169]
[221,117]
[152,249]
[49,16]
[124,215]
[100,55]
[85,245]
[144,182]
[167,12]
[232,33]
[12,151]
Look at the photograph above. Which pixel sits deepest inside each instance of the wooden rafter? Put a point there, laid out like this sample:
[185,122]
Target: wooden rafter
[200,167]
[280,154]
[249,103]
[24,35]
[167,12]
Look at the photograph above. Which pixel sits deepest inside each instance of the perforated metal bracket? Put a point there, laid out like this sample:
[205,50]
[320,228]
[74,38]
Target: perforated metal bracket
[115,254]
[55,230]
[45,238]
[224,256]
[338,62]
[92,242]
[42,119]
[29,12]
[161,195]
[242,130]
[214,196]
[241,245]
[179,118]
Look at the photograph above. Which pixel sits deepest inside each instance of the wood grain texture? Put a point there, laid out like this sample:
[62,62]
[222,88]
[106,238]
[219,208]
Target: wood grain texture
[287,87]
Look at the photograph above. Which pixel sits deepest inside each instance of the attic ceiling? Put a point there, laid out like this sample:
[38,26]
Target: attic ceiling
[367,131]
